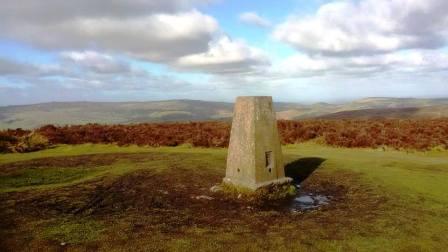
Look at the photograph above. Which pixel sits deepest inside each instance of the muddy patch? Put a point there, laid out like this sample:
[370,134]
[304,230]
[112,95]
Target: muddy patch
[172,201]
[180,191]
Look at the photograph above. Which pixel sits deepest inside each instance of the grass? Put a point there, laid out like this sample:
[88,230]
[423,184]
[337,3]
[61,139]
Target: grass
[70,150]
[34,177]
[89,149]
[73,231]
[417,181]
[142,199]
[53,178]
[418,174]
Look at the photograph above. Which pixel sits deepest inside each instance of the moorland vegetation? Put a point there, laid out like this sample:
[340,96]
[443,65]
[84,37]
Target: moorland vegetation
[385,133]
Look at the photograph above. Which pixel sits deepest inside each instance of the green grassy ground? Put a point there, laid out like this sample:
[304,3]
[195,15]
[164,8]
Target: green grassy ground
[133,198]
[417,184]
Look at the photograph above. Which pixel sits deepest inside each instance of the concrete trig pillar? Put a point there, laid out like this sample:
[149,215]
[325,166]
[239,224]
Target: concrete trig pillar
[254,157]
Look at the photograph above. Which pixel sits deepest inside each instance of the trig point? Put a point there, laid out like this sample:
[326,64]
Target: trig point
[255,157]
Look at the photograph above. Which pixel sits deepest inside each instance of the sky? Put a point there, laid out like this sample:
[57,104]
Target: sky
[302,51]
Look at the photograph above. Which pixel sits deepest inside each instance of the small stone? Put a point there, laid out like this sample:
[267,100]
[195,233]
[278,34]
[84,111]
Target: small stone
[63,243]
[240,196]
[203,197]
[321,200]
[304,200]
[216,188]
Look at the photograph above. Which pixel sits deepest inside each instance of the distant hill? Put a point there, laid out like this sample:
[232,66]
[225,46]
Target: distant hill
[61,113]
[399,113]
[30,116]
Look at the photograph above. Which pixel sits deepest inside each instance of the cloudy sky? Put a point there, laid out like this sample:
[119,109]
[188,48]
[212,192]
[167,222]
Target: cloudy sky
[295,50]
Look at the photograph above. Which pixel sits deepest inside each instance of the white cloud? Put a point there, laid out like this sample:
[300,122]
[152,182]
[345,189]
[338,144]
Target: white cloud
[153,30]
[253,18]
[405,63]
[8,67]
[89,71]
[97,39]
[158,37]
[225,56]
[95,61]
[368,27]
[170,32]
[45,11]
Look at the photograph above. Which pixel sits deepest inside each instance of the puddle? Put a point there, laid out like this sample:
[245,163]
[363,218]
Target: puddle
[308,201]
[303,201]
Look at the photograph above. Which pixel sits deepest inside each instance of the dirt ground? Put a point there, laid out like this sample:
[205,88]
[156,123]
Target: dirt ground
[144,205]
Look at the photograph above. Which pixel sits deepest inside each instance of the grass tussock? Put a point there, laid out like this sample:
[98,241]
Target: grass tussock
[22,141]
[261,195]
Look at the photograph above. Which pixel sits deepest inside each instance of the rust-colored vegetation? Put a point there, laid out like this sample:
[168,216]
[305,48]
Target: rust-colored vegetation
[394,133]
[22,141]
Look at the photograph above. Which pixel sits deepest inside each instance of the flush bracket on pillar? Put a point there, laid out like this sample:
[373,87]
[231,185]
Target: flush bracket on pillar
[268,159]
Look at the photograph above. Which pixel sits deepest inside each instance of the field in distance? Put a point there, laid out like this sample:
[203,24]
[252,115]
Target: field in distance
[105,197]
[62,113]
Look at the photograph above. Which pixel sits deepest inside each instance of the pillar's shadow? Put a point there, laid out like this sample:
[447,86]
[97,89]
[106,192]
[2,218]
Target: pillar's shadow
[301,169]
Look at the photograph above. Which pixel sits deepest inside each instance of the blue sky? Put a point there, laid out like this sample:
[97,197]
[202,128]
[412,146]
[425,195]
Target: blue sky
[295,50]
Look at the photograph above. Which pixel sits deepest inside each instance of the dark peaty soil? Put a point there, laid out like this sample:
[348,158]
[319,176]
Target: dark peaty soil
[172,200]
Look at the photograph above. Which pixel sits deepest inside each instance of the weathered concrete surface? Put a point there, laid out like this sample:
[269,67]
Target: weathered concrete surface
[255,157]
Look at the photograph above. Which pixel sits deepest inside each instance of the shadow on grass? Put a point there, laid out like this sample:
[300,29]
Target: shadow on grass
[301,169]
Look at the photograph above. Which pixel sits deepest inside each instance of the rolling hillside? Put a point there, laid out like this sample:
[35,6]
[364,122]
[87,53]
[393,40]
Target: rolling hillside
[61,113]
[430,112]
